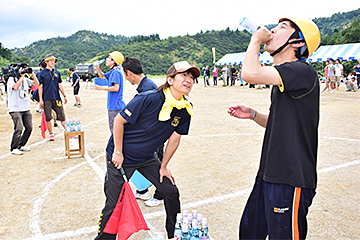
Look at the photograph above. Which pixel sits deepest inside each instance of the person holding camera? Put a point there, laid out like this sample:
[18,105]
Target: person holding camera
[50,85]
[18,103]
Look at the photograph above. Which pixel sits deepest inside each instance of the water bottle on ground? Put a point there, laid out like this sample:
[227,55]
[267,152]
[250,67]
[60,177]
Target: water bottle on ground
[185,235]
[195,232]
[177,232]
[248,25]
[204,231]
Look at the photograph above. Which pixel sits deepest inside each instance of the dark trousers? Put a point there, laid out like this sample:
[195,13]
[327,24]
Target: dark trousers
[150,170]
[19,137]
[215,81]
[276,210]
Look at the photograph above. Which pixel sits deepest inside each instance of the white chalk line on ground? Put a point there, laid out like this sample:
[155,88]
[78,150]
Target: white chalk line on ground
[340,98]
[88,230]
[35,216]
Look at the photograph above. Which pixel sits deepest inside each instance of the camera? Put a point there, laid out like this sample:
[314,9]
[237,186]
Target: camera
[13,70]
[26,70]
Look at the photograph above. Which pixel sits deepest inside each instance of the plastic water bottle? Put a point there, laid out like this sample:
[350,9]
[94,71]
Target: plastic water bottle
[177,232]
[79,125]
[67,125]
[98,62]
[70,125]
[185,235]
[204,231]
[195,232]
[199,220]
[248,25]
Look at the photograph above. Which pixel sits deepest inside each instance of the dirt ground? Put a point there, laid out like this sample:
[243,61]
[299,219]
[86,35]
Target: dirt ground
[45,195]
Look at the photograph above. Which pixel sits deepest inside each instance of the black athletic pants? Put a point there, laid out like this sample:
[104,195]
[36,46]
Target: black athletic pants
[150,170]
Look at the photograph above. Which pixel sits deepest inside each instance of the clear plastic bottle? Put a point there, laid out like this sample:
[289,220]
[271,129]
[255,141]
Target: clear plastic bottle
[177,232]
[185,235]
[195,232]
[67,125]
[204,230]
[248,25]
[70,125]
[98,62]
[79,124]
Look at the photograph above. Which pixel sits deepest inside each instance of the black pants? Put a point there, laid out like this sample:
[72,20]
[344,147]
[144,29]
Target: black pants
[19,137]
[150,170]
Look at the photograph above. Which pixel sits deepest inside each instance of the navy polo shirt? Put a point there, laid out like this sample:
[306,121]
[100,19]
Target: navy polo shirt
[50,81]
[74,78]
[146,84]
[143,132]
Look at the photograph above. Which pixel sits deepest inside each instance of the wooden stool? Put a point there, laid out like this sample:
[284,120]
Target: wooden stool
[80,150]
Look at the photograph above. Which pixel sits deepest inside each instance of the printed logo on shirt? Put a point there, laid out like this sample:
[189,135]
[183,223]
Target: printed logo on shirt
[55,75]
[58,103]
[176,121]
[128,112]
[281,210]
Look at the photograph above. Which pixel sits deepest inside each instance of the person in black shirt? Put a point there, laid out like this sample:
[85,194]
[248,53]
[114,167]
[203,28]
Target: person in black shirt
[286,181]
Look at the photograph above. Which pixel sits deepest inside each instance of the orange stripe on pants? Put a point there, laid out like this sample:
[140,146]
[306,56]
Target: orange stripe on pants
[296,203]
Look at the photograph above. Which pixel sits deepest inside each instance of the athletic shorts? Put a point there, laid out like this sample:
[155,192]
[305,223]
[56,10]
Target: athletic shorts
[276,210]
[337,79]
[76,89]
[330,79]
[57,106]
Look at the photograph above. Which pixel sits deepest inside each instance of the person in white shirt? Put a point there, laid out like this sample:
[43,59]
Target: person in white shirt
[339,72]
[18,102]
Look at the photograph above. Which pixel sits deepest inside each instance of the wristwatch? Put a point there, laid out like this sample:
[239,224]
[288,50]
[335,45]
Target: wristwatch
[118,152]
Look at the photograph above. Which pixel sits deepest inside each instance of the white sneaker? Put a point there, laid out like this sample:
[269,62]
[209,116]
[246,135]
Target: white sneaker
[153,202]
[16,152]
[332,91]
[145,196]
[24,149]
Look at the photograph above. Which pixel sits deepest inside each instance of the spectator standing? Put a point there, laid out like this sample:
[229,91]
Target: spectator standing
[224,72]
[115,85]
[147,121]
[215,75]
[206,77]
[357,67]
[339,73]
[50,85]
[75,79]
[330,80]
[278,204]
[233,75]
[18,103]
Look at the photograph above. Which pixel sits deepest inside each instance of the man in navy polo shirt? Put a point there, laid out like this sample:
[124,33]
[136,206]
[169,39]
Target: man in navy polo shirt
[50,85]
[147,121]
[115,86]
[134,74]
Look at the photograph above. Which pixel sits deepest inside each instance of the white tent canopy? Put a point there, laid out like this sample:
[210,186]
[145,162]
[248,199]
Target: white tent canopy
[238,58]
[231,59]
[343,52]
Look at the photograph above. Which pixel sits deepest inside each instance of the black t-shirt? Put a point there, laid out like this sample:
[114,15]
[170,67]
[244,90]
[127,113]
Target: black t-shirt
[289,152]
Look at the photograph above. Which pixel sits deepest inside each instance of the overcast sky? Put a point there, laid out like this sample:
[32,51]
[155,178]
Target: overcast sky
[24,21]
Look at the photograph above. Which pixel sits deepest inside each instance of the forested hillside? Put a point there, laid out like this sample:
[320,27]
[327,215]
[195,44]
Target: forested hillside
[77,48]
[157,54]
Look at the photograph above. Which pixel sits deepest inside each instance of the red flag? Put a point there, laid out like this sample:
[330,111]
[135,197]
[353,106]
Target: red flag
[126,218]
[43,125]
